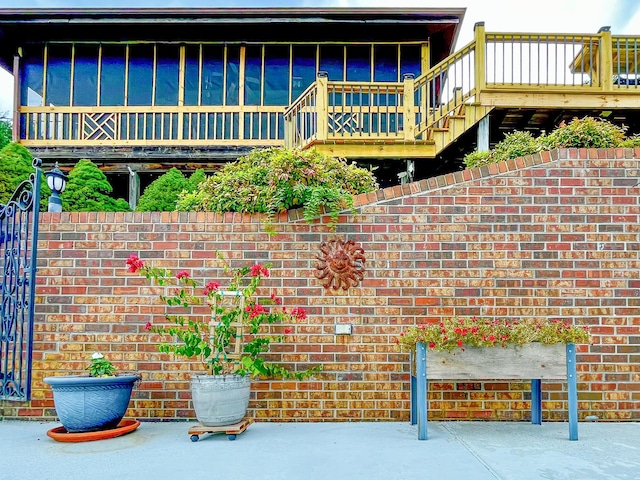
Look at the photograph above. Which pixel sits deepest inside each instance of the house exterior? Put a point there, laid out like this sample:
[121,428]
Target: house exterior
[141,90]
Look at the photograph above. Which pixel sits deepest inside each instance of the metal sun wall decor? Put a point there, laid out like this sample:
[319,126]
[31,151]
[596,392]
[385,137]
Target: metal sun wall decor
[341,264]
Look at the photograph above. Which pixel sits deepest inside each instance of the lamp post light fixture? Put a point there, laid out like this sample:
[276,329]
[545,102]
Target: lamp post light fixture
[57,181]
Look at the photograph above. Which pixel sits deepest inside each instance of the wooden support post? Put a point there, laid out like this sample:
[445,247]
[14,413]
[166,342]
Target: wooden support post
[413,415]
[322,106]
[15,128]
[572,389]
[421,389]
[605,59]
[408,110]
[480,59]
[483,134]
[134,188]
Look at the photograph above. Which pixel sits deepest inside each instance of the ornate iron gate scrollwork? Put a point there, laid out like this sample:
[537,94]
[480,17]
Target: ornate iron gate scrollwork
[18,247]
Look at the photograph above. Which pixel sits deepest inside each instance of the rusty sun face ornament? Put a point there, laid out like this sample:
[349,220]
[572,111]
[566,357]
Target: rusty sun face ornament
[341,264]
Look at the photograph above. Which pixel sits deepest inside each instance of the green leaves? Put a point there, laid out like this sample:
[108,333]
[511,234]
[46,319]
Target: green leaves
[88,190]
[277,179]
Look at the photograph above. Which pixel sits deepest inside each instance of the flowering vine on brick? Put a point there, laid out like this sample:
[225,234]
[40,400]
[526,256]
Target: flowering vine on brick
[237,314]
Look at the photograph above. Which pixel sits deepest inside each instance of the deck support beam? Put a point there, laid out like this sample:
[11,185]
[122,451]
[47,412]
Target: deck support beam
[134,188]
[483,134]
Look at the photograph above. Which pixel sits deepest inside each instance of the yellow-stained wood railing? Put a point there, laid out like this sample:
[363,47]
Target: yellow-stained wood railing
[494,67]
[184,125]
[444,88]
[353,111]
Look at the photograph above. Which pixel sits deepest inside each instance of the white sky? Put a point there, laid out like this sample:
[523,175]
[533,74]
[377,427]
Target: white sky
[543,16]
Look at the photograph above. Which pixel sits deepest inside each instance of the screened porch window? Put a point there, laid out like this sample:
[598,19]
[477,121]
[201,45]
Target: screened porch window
[85,75]
[140,76]
[58,88]
[167,74]
[31,93]
[303,70]
[112,75]
[276,75]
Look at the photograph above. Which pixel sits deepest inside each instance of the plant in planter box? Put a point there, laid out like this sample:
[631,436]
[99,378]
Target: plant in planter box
[452,334]
[230,340]
[98,401]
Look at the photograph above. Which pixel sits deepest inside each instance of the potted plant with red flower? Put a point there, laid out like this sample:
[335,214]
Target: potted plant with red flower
[230,340]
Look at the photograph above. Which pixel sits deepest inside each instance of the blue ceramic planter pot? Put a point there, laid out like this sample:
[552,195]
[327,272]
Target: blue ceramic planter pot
[86,404]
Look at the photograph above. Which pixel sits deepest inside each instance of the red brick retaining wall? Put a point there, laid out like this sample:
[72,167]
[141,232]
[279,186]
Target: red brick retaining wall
[555,235]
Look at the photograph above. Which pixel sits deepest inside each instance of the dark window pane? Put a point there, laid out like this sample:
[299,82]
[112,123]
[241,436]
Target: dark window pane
[191,74]
[410,60]
[212,71]
[167,74]
[85,75]
[276,75]
[252,75]
[233,74]
[140,79]
[112,75]
[359,63]
[58,75]
[32,72]
[304,68]
[385,63]
[332,61]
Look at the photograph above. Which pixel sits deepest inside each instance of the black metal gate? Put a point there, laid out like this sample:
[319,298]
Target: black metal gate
[18,247]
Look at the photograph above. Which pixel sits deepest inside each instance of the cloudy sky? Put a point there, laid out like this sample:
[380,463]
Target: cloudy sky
[561,16]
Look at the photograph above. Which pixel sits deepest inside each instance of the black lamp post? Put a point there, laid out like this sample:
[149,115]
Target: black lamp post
[57,181]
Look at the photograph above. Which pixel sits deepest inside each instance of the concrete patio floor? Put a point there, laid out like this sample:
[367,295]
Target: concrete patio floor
[328,451]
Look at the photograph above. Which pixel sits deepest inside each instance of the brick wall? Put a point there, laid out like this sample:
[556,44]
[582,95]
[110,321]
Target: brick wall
[554,235]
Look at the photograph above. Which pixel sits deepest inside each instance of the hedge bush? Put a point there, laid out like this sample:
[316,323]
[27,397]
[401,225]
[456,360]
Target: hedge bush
[273,180]
[587,132]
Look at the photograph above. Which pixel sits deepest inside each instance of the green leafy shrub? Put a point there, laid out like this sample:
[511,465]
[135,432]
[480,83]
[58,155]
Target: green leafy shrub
[477,159]
[515,144]
[5,133]
[162,194]
[273,180]
[88,191]
[587,132]
[16,164]
[631,142]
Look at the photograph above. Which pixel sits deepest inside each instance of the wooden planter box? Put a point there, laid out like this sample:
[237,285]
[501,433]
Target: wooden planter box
[534,361]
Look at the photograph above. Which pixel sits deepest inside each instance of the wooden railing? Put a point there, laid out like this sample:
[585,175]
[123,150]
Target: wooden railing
[151,125]
[491,67]
[333,111]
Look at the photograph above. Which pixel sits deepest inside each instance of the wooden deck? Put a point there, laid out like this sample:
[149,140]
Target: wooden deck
[497,74]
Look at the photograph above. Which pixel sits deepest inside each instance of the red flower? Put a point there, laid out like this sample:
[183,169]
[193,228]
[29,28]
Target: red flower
[287,331]
[258,269]
[432,345]
[134,263]
[182,274]
[210,287]
[147,326]
[299,313]
[459,343]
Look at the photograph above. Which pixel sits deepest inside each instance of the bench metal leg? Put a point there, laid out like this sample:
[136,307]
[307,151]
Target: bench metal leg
[536,401]
[572,391]
[421,389]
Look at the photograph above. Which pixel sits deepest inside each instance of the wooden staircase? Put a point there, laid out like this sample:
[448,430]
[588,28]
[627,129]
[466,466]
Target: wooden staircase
[452,126]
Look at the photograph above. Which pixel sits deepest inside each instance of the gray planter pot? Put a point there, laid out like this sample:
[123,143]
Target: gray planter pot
[220,399]
[86,404]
